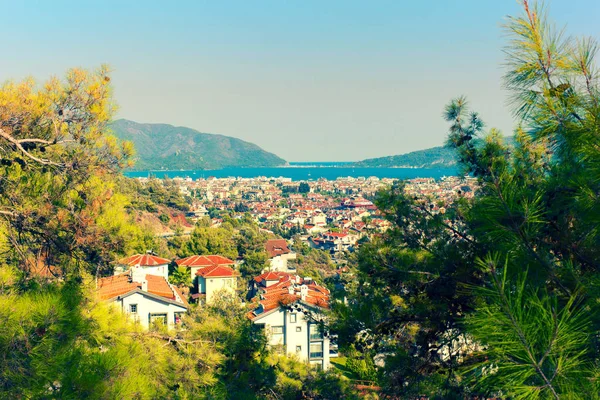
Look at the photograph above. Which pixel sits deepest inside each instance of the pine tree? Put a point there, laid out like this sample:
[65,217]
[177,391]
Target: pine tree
[498,297]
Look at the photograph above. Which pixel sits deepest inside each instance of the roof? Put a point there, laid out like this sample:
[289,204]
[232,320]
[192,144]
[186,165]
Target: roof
[272,276]
[159,286]
[122,284]
[144,260]
[217,271]
[287,290]
[117,285]
[277,247]
[204,261]
[336,234]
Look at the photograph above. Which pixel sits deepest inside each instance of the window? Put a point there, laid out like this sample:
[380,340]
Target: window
[293,318]
[277,330]
[277,335]
[157,320]
[298,349]
[316,350]
[133,308]
[298,329]
[315,332]
[178,317]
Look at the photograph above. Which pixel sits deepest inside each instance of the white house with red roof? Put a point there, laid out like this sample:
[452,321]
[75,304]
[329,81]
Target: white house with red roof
[291,310]
[210,274]
[146,298]
[279,254]
[149,263]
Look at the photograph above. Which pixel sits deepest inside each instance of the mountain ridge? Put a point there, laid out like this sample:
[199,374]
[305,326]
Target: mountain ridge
[434,157]
[161,146]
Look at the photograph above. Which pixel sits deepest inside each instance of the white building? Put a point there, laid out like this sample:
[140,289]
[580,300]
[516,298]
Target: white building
[279,255]
[211,280]
[149,263]
[146,298]
[210,274]
[290,309]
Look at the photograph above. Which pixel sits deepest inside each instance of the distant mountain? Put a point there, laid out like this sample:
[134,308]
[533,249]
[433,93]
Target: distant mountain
[168,147]
[435,157]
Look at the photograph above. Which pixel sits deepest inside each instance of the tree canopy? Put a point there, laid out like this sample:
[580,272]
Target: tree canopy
[498,296]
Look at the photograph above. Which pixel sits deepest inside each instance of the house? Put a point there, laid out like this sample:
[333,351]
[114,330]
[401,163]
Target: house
[149,263]
[334,242]
[279,254]
[146,298]
[195,263]
[290,309]
[210,274]
[211,280]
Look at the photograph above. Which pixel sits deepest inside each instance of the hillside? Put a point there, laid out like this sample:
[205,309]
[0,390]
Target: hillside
[435,157]
[168,147]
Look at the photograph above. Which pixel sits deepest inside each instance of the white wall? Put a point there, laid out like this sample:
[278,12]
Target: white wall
[212,285]
[280,262]
[147,305]
[291,338]
[159,270]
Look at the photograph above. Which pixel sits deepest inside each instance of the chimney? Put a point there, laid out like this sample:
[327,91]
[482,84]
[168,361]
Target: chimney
[145,285]
[138,274]
[303,292]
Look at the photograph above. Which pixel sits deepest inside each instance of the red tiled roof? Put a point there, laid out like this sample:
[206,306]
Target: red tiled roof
[278,294]
[272,276]
[158,285]
[183,299]
[217,271]
[117,285]
[204,261]
[144,260]
[276,247]
[336,234]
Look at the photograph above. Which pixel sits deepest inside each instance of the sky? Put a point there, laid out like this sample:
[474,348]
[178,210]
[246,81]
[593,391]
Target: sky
[309,80]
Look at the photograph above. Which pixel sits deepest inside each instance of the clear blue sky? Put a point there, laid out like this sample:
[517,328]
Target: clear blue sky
[308,80]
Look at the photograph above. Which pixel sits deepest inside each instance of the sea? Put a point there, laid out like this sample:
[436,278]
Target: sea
[304,171]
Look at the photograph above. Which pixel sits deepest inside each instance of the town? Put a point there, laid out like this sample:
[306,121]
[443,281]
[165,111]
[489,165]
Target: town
[329,218]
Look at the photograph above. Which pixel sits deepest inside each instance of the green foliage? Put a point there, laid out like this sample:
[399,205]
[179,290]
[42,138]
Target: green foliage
[254,263]
[453,325]
[153,193]
[207,241]
[303,187]
[57,343]
[63,204]
[533,346]
[180,276]
[361,365]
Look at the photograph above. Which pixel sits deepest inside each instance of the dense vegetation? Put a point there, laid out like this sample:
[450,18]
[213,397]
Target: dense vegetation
[166,147]
[66,213]
[498,297]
